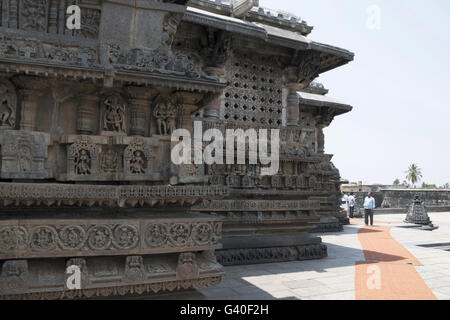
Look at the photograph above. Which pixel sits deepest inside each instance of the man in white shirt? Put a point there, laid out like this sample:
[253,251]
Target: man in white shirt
[369,206]
[351,204]
[344,202]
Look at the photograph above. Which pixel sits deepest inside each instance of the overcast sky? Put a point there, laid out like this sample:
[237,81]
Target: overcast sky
[398,85]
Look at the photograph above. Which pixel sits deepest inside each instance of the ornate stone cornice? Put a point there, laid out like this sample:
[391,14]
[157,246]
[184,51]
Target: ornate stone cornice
[28,194]
[84,60]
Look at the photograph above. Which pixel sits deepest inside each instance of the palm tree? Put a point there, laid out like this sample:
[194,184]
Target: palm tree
[414,174]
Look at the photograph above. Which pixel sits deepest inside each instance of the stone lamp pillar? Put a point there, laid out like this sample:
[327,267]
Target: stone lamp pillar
[212,108]
[29,108]
[292,107]
[138,116]
[87,115]
[139,104]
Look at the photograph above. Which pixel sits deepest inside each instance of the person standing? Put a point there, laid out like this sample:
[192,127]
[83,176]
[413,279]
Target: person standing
[344,202]
[351,204]
[369,206]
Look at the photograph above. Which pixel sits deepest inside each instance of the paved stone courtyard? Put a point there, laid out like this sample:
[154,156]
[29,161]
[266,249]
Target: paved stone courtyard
[333,278]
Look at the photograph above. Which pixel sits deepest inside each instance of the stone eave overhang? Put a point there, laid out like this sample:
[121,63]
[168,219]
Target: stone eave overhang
[269,34]
[179,83]
[320,101]
[38,68]
[274,18]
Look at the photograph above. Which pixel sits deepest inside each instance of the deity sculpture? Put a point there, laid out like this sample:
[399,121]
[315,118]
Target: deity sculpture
[24,159]
[165,113]
[109,162]
[83,163]
[7,106]
[114,114]
[137,163]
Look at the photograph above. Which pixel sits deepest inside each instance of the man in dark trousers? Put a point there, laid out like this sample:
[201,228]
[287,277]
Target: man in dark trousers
[369,206]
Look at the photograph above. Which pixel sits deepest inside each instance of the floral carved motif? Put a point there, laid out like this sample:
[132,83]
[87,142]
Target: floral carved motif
[156,235]
[13,238]
[43,238]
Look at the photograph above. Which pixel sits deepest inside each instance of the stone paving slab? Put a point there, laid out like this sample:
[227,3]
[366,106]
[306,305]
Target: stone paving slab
[333,278]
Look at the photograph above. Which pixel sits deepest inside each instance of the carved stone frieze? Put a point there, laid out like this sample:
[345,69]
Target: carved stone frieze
[156,61]
[269,255]
[62,238]
[48,52]
[110,157]
[106,276]
[257,205]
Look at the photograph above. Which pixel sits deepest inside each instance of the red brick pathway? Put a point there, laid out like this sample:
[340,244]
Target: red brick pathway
[388,272]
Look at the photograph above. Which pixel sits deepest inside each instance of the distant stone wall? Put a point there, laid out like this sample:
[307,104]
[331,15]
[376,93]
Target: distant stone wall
[361,195]
[403,198]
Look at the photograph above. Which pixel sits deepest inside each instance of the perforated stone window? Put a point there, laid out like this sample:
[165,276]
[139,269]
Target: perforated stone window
[254,93]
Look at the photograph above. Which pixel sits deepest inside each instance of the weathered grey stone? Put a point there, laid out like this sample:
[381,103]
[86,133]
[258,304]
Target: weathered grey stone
[86,118]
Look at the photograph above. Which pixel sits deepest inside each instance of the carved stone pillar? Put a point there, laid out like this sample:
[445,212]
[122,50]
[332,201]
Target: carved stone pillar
[29,108]
[212,108]
[189,104]
[87,114]
[137,116]
[292,108]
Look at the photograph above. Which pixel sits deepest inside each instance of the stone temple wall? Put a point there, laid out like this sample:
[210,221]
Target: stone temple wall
[404,198]
[436,200]
[86,178]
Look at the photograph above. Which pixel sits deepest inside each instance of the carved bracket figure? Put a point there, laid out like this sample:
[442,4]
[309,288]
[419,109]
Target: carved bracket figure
[8,104]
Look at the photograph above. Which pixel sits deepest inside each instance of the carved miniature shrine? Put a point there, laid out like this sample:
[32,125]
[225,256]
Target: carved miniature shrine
[86,118]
